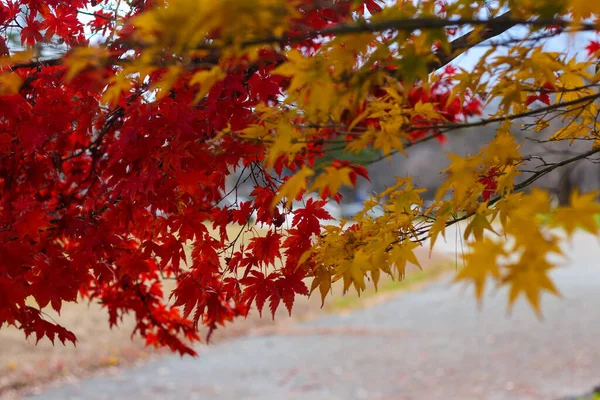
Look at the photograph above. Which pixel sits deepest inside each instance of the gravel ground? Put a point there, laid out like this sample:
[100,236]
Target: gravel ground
[432,344]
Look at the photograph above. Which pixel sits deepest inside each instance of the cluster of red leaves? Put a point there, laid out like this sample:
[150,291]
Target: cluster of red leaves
[100,202]
[44,19]
[451,110]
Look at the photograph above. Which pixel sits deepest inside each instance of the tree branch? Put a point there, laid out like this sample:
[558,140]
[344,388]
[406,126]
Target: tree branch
[499,24]
[537,175]
[467,41]
[529,181]
[493,28]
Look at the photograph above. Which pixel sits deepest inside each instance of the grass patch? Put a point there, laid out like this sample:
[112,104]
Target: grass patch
[413,279]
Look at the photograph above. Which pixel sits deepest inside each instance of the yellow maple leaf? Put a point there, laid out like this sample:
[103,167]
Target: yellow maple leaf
[311,84]
[439,225]
[479,223]
[506,206]
[580,213]
[167,81]
[118,84]
[322,281]
[481,263]
[84,57]
[254,131]
[583,9]
[529,276]
[462,179]
[512,96]
[292,187]
[503,149]
[206,80]
[572,132]
[506,179]
[10,83]
[16,58]
[332,179]
[387,142]
[404,200]
[285,142]
[403,253]
[426,110]
[353,271]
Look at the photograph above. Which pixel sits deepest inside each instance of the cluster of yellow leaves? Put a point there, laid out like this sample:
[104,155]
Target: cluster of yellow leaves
[84,57]
[525,70]
[311,86]
[184,25]
[206,80]
[331,81]
[583,9]
[465,174]
[278,133]
[329,181]
[517,256]
[394,115]
[516,253]
[522,262]
[293,187]
[374,245]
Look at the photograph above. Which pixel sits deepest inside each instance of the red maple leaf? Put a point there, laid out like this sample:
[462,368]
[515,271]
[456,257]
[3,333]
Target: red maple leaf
[265,249]
[307,219]
[490,183]
[258,289]
[592,48]
[31,223]
[30,34]
[63,23]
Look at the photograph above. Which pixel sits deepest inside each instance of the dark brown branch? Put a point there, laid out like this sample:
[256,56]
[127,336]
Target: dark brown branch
[466,41]
[512,117]
[500,24]
[483,122]
[537,175]
[493,27]
[96,15]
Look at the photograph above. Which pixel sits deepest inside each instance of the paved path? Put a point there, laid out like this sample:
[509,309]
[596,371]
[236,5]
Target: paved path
[431,344]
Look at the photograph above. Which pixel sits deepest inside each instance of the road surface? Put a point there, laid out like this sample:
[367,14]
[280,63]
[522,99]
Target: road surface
[430,344]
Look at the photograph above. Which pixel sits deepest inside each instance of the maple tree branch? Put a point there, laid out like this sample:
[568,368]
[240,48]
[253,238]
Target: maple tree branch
[467,41]
[96,15]
[49,62]
[511,41]
[498,24]
[483,122]
[493,27]
[511,117]
[536,175]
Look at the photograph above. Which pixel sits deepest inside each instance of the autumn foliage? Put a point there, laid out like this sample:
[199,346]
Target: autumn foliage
[127,128]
